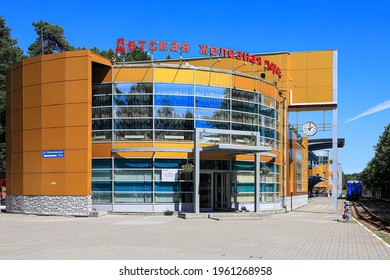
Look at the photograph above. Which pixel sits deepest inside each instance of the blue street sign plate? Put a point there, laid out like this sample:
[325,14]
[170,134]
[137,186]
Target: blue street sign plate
[53,154]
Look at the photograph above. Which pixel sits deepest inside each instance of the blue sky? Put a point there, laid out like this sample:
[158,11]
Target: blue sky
[359,30]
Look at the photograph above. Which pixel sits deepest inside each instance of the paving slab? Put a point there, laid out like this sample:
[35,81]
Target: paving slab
[311,232]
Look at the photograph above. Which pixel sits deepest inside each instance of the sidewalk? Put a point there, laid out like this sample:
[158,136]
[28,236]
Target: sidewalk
[311,232]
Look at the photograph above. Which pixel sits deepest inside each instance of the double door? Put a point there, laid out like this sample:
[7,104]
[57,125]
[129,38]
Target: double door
[214,191]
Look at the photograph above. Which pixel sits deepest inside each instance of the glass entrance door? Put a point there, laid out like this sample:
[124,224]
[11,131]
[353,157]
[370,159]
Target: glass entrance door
[205,191]
[221,191]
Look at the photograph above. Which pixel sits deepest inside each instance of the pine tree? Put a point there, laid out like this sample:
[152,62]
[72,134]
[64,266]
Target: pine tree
[9,54]
[51,39]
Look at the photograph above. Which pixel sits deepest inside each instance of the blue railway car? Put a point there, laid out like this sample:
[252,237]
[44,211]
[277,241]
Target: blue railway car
[354,190]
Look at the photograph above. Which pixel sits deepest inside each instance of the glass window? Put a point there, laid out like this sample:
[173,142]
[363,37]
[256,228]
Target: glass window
[244,95]
[267,132]
[174,124]
[174,88]
[101,124]
[101,197]
[133,135]
[243,165]
[268,101]
[133,175]
[132,163]
[169,163]
[132,197]
[172,112]
[175,135]
[167,197]
[266,111]
[98,136]
[245,106]
[133,112]
[101,100]
[101,113]
[101,186]
[212,91]
[101,175]
[267,187]
[167,186]
[102,89]
[245,187]
[212,124]
[208,114]
[103,163]
[214,164]
[174,100]
[133,100]
[133,124]
[133,186]
[212,103]
[244,127]
[244,118]
[133,88]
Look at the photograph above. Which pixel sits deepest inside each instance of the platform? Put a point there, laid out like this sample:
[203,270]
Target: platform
[311,232]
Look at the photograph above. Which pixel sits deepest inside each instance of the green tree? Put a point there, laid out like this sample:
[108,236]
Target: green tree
[51,39]
[376,175]
[9,54]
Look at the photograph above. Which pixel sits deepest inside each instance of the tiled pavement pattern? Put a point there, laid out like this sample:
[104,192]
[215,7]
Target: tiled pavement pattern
[311,232]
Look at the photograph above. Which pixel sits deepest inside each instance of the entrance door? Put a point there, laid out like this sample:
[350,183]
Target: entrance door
[221,191]
[205,191]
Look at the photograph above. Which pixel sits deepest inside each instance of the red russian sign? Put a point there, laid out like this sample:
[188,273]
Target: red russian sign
[206,50]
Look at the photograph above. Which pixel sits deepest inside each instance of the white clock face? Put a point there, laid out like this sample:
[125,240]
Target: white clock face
[309,128]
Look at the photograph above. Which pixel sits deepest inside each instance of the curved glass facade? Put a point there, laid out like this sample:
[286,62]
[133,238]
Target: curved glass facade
[169,112]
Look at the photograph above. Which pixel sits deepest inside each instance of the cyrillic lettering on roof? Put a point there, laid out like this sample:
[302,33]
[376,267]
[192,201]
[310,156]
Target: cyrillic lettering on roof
[142,44]
[152,46]
[132,45]
[222,52]
[174,47]
[185,47]
[120,45]
[203,49]
[163,46]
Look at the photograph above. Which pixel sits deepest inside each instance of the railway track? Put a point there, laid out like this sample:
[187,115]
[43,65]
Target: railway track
[375,212]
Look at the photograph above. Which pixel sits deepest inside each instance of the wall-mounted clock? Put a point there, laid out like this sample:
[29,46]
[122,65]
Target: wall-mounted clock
[309,128]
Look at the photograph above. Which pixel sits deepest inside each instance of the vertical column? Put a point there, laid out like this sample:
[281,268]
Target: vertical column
[335,175]
[197,168]
[257,175]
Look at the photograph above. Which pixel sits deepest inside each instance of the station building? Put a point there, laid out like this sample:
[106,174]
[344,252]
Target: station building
[193,135]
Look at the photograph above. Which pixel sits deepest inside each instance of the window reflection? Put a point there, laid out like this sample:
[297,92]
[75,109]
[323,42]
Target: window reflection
[174,124]
[172,112]
[133,100]
[244,106]
[132,112]
[244,95]
[133,124]
[212,91]
[212,114]
[212,103]
[133,87]
[101,100]
[172,100]
[174,88]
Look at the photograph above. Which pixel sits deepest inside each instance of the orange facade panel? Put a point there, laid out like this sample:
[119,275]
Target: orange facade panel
[53,94]
[32,96]
[75,91]
[138,75]
[244,83]
[50,111]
